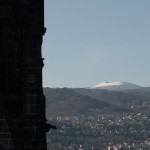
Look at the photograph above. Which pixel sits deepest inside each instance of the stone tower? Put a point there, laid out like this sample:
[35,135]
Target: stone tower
[22,103]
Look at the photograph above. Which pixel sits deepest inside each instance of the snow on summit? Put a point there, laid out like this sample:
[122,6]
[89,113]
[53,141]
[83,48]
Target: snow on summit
[116,86]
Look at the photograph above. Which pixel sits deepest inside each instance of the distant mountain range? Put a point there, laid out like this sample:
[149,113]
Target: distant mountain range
[74,101]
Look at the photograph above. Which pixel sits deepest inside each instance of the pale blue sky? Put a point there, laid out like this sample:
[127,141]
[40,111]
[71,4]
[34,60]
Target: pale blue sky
[91,41]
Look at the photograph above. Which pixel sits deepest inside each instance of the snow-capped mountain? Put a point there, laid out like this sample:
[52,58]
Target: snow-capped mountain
[116,86]
[48,86]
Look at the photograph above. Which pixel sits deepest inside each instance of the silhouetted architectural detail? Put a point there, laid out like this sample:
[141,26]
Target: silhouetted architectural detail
[22,103]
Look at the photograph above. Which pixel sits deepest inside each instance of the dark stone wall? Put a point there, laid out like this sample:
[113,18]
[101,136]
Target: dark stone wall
[22,101]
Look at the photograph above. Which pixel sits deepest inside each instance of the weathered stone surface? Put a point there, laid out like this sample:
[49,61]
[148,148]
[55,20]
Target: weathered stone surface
[22,103]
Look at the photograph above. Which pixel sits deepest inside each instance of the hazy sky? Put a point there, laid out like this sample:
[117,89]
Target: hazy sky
[91,41]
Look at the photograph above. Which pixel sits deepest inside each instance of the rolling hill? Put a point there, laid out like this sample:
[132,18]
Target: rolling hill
[70,101]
